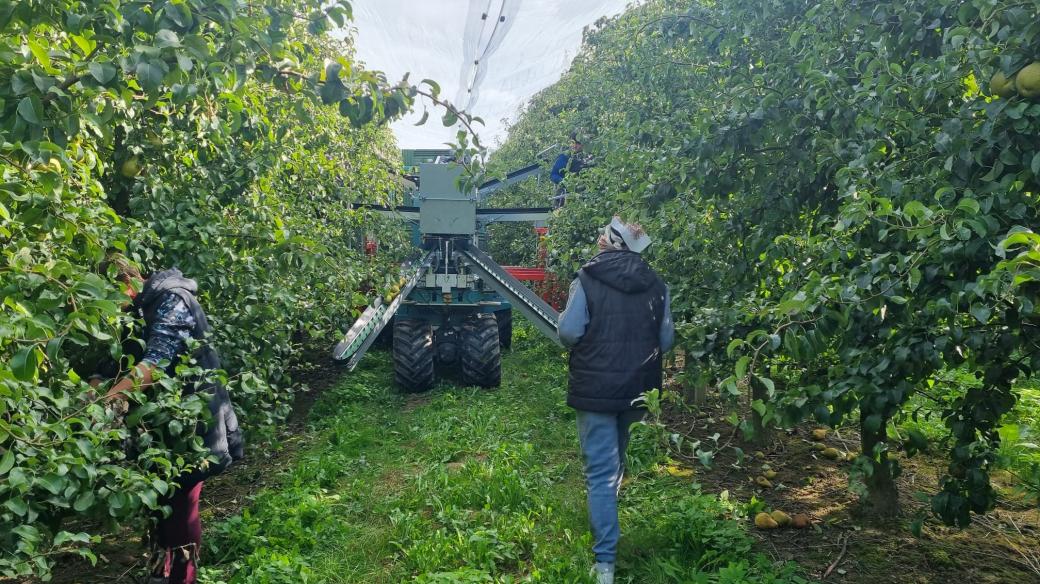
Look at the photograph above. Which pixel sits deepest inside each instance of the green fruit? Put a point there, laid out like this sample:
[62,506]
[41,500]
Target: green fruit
[131,167]
[782,519]
[765,521]
[1028,80]
[1001,86]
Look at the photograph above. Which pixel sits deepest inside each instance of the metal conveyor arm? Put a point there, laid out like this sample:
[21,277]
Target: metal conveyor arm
[536,310]
[363,333]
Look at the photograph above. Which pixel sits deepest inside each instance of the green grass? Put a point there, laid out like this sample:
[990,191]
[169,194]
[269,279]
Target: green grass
[467,485]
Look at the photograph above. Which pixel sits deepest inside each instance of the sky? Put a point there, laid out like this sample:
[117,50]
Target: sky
[522,47]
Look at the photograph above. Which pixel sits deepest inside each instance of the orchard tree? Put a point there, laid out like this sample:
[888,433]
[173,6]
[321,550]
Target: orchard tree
[841,202]
[228,138]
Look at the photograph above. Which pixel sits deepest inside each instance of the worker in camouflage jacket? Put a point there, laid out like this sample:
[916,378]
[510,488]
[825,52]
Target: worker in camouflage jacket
[618,324]
[172,317]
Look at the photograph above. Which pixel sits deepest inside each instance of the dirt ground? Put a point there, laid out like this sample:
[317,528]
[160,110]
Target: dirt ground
[844,547]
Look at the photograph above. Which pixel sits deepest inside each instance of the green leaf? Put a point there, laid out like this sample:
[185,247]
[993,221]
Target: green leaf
[733,346]
[40,52]
[149,498]
[52,482]
[422,120]
[981,312]
[332,90]
[23,363]
[349,109]
[7,462]
[166,38]
[968,206]
[1035,165]
[102,72]
[84,501]
[705,457]
[742,366]
[17,506]
[86,46]
[64,537]
[184,62]
[435,88]
[179,13]
[729,385]
[31,109]
[759,407]
[767,383]
[150,74]
[917,441]
[916,209]
[450,119]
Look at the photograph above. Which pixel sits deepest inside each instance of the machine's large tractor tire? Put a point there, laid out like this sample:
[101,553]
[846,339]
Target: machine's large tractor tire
[505,328]
[481,354]
[413,355]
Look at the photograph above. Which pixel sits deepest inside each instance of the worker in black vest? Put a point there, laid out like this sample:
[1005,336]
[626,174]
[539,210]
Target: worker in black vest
[172,316]
[617,324]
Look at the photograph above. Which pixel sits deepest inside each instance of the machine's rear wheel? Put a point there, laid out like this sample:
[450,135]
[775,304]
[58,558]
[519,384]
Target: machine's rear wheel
[481,355]
[505,328]
[413,355]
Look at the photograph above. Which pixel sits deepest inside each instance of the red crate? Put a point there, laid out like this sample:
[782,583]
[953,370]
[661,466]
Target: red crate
[526,274]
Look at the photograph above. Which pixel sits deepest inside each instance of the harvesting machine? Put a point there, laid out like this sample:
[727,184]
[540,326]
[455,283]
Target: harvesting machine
[454,307]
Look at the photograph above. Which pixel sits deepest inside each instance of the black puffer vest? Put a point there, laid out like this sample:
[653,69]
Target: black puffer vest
[220,433]
[619,356]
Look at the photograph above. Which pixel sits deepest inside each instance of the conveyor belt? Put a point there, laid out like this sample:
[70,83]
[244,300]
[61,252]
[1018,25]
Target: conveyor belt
[521,297]
[511,179]
[363,333]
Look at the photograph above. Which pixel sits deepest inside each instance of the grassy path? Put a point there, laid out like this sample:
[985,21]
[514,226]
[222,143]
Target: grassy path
[465,485]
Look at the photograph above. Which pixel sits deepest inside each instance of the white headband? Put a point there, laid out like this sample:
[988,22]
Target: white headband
[621,236]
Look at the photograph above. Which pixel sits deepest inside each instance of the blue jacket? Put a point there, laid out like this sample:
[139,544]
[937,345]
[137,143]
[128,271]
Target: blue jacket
[565,164]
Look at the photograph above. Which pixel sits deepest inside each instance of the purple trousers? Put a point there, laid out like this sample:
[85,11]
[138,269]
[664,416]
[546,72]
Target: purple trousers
[180,535]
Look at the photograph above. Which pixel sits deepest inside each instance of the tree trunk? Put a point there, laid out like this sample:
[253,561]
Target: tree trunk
[882,498]
[763,433]
[700,395]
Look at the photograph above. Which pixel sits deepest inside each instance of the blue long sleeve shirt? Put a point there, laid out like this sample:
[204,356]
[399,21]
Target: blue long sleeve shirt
[575,319]
[556,176]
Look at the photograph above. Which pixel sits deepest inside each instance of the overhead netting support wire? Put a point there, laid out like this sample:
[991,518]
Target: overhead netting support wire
[479,43]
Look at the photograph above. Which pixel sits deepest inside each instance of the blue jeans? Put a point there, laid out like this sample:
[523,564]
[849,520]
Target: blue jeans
[603,438]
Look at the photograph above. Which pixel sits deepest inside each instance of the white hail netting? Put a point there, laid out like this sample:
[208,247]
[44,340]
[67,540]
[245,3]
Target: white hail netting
[488,66]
